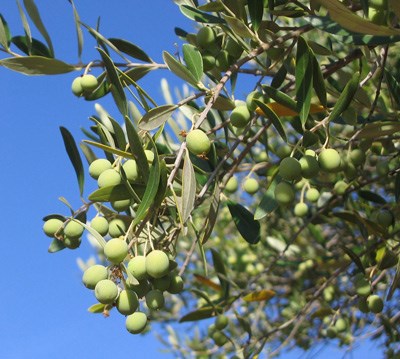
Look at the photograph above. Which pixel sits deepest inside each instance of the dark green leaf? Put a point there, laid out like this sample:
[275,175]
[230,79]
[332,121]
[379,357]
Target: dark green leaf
[112,150]
[37,48]
[280,97]
[130,49]
[110,193]
[193,60]
[345,97]
[395,282]
[200,16]
[188,188]
[56,246]
[304,79]
[393,86]
[371,196]
[199,314]
[244,220]
[219,267]
[179,69]
[279,77]
[318,81]
[78,29]
[273,117]
[37,65]
[5,35]
[156,117]
[211,216]
[74,156]
[266,206]
[397,187]
[256,10]
[354,218]
[354,257]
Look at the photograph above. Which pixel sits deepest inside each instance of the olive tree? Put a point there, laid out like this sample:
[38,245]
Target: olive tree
[270,216]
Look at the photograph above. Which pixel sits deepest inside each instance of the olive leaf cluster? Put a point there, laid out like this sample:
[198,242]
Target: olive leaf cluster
[278,207]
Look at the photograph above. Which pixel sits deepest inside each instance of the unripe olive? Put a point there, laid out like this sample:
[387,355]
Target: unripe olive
[162,283]
[221,322]
[362,285]
[51,226]
[240,116]
[385,218]
[109,177]
[340,187]
[205,37]
[116,227]
[198,142]
[300,209]
[250,185]
[121,205]
[290,169]
[140,289]
[76,86]
[377,16]
[100,224]
[312,195]
[155,299]
[157,264]
[149,155]
[329,160]
[93,275]
[72,242]
[284,193]
[222,60]
[341,325]
[310,152]
[89,82]
[131,170]
[254,95]
[73,229]
[211,329]
[357,156]
[362,305]
[127,302]
[331,332]
[208,62]
[175,284]
[136,322]
[106,291]
[283,151]
[375,303]
[137,267]
[233,48]
[309,166]
[232,185]
[219,338]
[97,167]
[116,250]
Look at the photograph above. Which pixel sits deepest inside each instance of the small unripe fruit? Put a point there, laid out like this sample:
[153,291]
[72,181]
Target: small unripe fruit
[312,195]
[250,185]
[76,86]
[116,227]
[51,226]
[284,193]
[73,229]
[127,302]
[89,82]
[205,37]
[94,275]
[340,187]
[240,116]
[162,283]
[222,60]
[157,264]
[149,155]
[329,160]
[106,291]
[136,322]
[137,267]
[362,305]
[208,62]
[300,209]
[362,285]
[121,205]
[232,185]
[100,224]
[290,169]
[198,142]
[341,325]
[175,284]
[72,242]
[221,322]
[357,156]
[283,151]
[385,218]
[375,303]
[109,177]
[131,170]
[155,299]
[116,250]
[254,95]
[97,167]
[219,338]
[309,166]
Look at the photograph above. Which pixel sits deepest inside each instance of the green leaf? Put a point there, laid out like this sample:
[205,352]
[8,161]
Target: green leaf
[354,257]
[304,79]
[256,10]
[156,117]
[35,17]
[393,86]
[109,149]
[35,48]
[345,97]
[244,220]
[79,34]
[273,117]
[5,36]
[74,156]
[397,187]
[318,81]
[200,16]
[25,24]
[259,295]
[56,246]
[219,267]
[193,60]
[371,196]
[212,215]
[280,97]
[117,89]
[378,129]
[188,188]
[266,206]
[100,240]
[97,308]
[37,65]
[179,69]
[199,314]
[130,49]
[239,27]
[110,193]
[395,282]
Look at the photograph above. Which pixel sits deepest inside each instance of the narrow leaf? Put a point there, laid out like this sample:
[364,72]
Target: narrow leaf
[239,27]
[193,60]
[200,16]
[244,220]
[179,69]
[259,295]
[267,205]
[78,29]
[188,188]
[37,65]
[272,116]
[109,149]
[393,86]
[110,193]
[199,314]
[318,81]
[219,267]
[207,282]
[56,246]
[256,10]
[280,97]
[395,282]
[74,156]
[354,257]
[4,33]
[371,196]
[130,49]
[211,216]
[97,308]
[156,117]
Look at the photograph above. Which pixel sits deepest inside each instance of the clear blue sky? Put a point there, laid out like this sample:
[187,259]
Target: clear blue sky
[44,305]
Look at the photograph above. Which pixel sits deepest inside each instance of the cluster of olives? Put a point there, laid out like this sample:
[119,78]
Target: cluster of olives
[153,274]
[68,231]
[367,302]
[217,52]
[215,330]
[334,329]
[84,85]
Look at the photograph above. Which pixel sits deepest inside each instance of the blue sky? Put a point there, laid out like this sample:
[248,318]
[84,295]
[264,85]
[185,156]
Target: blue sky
[44,306]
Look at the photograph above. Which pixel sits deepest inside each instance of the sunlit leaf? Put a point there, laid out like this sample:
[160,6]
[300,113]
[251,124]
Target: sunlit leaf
[193,60]
[78,29]
[259,295]
[110,193]
[5,36]
[179,69]
[37,65]
[97,308]
[56,246]
[207,282]
[199,314]
[200,16]
[156,117]
[238,26]
[188,188]
[130,49]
